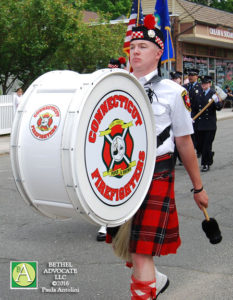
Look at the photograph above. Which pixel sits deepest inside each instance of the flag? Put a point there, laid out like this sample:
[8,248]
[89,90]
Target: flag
[135,19]
[163,23]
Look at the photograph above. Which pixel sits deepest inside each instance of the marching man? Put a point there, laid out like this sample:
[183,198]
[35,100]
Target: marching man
[155,226]
[206,124]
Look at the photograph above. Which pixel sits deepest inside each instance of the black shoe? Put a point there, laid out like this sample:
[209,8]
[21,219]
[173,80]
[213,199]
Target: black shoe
[101,237]
[205,168]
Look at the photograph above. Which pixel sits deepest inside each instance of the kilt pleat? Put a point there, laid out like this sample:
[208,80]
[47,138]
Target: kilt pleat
[155,226]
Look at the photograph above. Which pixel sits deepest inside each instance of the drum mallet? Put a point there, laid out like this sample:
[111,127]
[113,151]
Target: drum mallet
[211,229]
[203,109]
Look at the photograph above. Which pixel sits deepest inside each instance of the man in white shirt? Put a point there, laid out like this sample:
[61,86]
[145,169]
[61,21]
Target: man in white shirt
[155,229]
[17,98]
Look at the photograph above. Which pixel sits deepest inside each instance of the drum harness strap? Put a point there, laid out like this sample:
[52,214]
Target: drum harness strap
[166,132]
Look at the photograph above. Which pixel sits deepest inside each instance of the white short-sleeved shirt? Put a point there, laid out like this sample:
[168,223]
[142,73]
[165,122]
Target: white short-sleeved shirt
[16,101]
[169,109]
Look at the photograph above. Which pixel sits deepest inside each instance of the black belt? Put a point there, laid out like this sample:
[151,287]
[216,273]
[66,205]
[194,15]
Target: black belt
[166,165]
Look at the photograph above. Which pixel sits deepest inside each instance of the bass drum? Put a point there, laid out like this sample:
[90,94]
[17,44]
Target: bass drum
[84,144]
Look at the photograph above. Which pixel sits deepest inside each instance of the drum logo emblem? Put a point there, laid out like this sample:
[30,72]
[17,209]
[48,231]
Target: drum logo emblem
[117,149]
[45,122]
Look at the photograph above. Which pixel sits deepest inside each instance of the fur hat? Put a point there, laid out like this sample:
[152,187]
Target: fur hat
[148,32]
[117,63]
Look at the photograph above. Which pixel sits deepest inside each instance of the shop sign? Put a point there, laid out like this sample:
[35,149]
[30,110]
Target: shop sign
[221,33]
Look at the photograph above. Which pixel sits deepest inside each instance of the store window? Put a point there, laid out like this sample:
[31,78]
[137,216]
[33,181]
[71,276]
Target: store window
[211,64]
[188,63]
[229,71]
[202,65]
[220,71]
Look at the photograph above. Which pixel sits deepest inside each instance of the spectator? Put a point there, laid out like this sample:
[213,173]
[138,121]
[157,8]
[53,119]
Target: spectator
[229,93]
[17,98]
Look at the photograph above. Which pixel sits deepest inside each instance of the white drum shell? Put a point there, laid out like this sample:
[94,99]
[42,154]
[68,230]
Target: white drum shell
[51,174]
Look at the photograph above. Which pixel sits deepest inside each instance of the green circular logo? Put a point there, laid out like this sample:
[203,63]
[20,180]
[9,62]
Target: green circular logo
[24,274]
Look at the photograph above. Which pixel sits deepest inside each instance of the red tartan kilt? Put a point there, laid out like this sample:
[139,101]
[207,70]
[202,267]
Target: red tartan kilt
[155,226]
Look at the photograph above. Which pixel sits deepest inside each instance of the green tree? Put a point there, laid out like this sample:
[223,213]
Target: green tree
[226,5]
[38,36]
[94,46]
[115,8]
[33,31]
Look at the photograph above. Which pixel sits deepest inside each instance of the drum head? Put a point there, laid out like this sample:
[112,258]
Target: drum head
[113,149]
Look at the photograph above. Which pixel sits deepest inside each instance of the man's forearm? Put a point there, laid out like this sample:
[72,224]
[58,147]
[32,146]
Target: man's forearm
[188,156]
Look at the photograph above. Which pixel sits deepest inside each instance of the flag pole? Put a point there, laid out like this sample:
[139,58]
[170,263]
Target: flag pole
[139,3]
[168,54]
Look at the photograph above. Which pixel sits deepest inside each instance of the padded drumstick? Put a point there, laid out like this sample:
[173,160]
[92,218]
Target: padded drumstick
[211,229]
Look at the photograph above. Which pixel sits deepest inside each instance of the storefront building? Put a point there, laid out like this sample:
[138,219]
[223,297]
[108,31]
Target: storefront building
[202,38]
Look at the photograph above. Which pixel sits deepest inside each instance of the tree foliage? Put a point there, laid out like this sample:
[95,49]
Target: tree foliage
[38,36]
[226,5]
[95,45]
[115,8]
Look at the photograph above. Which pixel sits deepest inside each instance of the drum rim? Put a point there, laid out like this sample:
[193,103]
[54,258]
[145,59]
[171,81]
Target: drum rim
[87,209]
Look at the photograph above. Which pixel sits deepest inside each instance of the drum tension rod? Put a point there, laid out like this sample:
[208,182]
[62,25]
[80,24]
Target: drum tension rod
[67,149]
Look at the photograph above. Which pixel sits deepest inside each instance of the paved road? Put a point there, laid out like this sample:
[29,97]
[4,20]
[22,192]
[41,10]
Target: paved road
[199,271]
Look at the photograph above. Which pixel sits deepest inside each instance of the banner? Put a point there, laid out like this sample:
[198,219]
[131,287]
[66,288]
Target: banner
[163,23]
[135,19]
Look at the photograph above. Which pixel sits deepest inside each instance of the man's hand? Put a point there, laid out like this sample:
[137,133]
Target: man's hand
[215,98]
[201,199]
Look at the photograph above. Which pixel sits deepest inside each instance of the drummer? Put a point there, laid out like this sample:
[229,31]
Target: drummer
[121,64]
[155,226]
[117,63]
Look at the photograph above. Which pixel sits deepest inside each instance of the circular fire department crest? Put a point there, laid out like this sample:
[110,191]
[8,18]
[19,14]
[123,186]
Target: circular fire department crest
[45,122]
[116,148]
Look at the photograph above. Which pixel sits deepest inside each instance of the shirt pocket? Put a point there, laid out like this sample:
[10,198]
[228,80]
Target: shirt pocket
[158,109]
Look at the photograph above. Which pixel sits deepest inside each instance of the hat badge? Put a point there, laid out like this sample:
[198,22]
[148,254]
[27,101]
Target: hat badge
[151,33]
